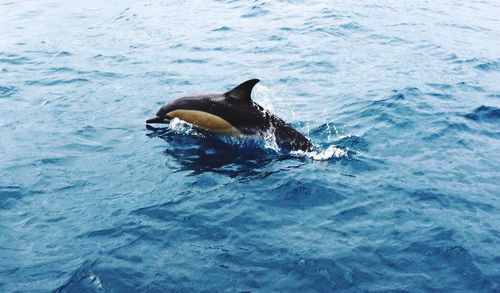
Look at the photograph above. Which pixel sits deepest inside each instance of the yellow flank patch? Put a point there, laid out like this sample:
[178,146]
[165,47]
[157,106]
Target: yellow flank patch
[205,121]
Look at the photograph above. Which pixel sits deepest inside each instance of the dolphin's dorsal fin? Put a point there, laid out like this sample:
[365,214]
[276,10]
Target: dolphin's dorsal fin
[243,91]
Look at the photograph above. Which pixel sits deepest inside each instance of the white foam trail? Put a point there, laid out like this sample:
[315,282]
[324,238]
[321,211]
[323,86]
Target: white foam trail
[332,152]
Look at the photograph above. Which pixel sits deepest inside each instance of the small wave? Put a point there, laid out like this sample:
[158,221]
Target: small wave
[441,86]
[489,66]
[275,38]
[331,13]
[191,60]
[447,258]
[87,146]
[160,74]
[463,27]
[117,58]
[7,91]
[56,81]
[96,73]
[387,40]
[107,74]
[8,195]
[441,96]
[64,69]
[222,29]
[329,31]
[354,26]
[53,160]
[484,114]
[302,192]
[62,54]
[468,86]
[352,142]
[255,11]
[206,49]
[82,280]
[456,60]
[50,53]
[325,130]
[15,60]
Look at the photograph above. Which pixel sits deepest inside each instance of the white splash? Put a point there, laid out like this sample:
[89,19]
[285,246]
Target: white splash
[182,127]
[332,152]
[266,97]
[332,130]
[270,140]
[95,280]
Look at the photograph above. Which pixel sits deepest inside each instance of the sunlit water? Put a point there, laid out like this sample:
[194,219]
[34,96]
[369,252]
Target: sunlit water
[401,100]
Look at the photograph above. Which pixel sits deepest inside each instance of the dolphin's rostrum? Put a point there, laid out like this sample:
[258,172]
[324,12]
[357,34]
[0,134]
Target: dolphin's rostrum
[232,113]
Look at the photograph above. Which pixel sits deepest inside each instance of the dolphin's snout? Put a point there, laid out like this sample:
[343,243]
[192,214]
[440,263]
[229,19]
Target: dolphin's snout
[157,119]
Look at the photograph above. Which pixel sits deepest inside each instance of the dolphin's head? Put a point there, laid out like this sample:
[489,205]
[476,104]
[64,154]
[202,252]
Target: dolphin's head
[198,102]
[162,115]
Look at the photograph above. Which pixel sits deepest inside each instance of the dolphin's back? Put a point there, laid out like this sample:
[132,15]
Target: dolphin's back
[242,116]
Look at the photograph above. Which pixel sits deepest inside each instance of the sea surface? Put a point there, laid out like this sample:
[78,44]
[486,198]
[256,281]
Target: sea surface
[400,98]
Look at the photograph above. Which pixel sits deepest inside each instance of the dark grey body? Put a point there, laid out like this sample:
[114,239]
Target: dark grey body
[237,108]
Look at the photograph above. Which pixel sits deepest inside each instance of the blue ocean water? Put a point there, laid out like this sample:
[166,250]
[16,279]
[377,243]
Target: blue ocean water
[402,102]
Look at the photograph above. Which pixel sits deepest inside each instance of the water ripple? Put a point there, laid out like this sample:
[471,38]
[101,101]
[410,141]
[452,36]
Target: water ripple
[484,114]
[13,59]
[489,66]
[49,82]
[8,195]
[7,91]
[399,195]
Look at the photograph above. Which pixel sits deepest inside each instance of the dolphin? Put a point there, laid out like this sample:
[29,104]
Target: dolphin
[232,113]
